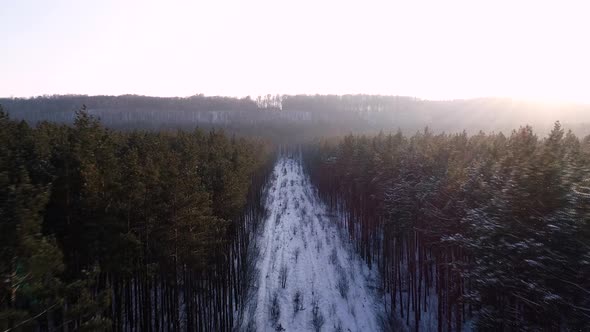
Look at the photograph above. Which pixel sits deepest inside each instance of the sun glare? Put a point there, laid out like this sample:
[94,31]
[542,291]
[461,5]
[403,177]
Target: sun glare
[428,49]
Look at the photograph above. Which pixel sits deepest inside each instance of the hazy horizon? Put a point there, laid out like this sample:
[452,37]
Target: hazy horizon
[528,50]
[253,97]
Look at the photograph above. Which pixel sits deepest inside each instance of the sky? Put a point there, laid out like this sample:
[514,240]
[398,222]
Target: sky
[428,49]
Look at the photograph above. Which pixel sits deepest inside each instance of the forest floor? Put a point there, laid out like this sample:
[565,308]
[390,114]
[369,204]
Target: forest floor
[308,276]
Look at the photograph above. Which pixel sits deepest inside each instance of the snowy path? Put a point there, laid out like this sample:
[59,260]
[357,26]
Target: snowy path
[308,277]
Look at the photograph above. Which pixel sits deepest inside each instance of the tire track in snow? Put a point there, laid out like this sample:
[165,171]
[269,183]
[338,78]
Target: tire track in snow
[326,286]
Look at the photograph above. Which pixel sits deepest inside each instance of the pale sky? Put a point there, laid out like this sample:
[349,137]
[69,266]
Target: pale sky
[428,49]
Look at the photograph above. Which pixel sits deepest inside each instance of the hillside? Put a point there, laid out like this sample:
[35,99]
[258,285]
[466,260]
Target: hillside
[318,115]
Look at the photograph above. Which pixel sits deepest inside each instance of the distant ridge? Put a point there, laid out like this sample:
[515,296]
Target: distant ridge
[352,113]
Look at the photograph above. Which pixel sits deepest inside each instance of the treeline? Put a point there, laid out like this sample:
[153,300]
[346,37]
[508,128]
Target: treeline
[103,230]
[485,231]
[359,113]
[63,103]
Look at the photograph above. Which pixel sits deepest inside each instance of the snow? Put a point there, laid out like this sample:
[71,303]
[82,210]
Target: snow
[302,248]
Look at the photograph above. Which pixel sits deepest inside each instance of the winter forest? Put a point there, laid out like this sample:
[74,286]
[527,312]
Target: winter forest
[287,166]
[227,227]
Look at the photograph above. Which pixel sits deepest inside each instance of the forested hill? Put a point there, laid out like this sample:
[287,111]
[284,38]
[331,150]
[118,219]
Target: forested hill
[320,115]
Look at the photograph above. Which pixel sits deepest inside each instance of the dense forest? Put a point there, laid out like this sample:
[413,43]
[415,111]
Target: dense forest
[157,230]
[142,231]
[487,231]
[317,115]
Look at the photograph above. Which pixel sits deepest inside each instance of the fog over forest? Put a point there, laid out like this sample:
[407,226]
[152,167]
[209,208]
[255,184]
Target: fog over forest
[337,115]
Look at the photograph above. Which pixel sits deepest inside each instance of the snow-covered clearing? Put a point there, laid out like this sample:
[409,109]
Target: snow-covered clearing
[308,277]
